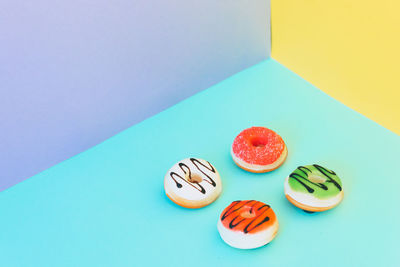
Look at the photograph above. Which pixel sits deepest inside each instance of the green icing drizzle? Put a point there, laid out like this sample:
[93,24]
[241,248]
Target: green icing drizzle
[299,181]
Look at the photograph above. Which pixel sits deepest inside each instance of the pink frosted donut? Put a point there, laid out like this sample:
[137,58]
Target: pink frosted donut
[258,149]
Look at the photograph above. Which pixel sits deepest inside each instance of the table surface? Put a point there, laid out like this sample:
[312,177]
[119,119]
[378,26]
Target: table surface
[107,207]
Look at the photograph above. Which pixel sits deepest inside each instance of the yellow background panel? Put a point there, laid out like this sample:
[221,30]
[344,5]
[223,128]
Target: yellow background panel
[350,49]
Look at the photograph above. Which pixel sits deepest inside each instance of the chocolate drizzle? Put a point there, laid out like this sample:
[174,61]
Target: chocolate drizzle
[234,207]
[328,174]
[233,225]
[302,178]
[210,168]
[304,170]
[237,206]
[248,228]
[188,175]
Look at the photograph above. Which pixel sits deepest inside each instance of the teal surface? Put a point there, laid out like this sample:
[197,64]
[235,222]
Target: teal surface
[107,207]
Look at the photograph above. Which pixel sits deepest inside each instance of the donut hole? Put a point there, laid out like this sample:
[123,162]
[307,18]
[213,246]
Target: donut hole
[195,178]
[247,214]
[316,179]
[259,141]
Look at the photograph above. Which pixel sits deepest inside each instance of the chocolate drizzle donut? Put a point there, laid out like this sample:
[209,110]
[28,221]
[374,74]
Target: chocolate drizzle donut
[257,208]
[300,179]
[192,183]
[313,188]
[247,224]
[187,175]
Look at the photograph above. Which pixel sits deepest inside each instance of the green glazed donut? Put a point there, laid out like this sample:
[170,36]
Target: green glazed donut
[330,184]
[313,188]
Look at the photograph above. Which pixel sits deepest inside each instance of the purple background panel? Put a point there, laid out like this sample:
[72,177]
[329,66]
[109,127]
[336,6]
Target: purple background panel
[73,73]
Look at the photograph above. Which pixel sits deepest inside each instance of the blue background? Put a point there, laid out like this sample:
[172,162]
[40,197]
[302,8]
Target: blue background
[73,73]
[107,207]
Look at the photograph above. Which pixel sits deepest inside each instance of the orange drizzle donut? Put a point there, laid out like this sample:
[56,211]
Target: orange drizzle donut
[247,224]
[258,149]
[192,183]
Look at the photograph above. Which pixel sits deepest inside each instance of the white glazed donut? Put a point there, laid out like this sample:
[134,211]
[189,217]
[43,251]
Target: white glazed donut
[192,183]
[247,224]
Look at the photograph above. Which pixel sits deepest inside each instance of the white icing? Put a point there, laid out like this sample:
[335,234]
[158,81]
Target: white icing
[187,191]
[310,199]
[241,240]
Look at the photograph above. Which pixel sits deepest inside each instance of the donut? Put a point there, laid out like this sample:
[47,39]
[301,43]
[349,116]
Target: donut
[247,224]
[258,149]
[313,188]
[192,183]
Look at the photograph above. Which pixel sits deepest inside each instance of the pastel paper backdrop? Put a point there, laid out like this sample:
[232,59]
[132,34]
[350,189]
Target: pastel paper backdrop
[348,49]
[107,206]
[73,73]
